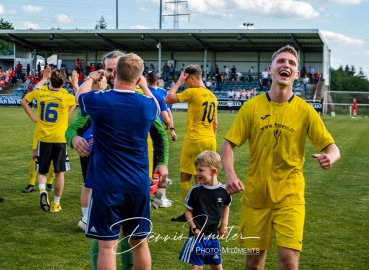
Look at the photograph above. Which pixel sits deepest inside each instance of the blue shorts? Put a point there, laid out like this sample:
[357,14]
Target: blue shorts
[108,211]
[200,251]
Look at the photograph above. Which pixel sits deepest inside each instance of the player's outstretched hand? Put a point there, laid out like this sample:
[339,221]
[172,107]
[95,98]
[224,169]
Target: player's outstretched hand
[234,185]
[324,160]
[81,146]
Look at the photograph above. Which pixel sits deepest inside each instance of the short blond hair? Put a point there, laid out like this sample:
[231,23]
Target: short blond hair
[209,159]
[289,49]
[129,68]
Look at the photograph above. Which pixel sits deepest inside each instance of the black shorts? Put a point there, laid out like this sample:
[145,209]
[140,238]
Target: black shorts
[84,166]
[57,152]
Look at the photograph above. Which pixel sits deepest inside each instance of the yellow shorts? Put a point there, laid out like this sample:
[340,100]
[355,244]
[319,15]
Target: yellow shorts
[257,226]
[190,150]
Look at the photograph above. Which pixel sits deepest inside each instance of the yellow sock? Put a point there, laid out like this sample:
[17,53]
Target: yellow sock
[185,187]
[32,173]
[51,174]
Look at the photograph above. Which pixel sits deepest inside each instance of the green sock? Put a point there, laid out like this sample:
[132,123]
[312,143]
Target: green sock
[94,254]
[126,256]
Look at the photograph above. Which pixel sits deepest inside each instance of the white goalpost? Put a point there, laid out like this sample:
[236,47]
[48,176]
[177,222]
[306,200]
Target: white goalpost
[340,102]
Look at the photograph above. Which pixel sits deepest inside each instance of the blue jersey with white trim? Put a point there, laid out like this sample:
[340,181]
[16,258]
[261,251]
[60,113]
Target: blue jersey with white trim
[121,120]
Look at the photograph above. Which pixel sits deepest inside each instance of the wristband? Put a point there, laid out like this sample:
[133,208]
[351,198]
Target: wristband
[93,80]
[172,128]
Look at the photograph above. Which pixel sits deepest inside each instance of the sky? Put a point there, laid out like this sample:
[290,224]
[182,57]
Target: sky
[343,23]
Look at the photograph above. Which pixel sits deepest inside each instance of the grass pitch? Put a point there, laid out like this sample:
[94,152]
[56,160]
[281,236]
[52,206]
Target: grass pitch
[337,202]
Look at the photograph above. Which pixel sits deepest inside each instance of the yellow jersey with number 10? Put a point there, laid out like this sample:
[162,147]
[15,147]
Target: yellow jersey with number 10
[202,108]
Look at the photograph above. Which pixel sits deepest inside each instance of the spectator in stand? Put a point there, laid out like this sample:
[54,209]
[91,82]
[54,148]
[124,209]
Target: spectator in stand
[210,85]
[81,78]
[249,94]
[13,77]
[243,94]
[226,73]
[305,81]
[233,73]
[253,92]
[28,69]
[152,67]
[165,71]
[19,70]
[237,94]
[317,77]
[79,64]
[250,73]
[239,76]
[311,74]
[183,67]
[261,79]
[265,75]
[39,69]
[171,70]
[93,68]
[219,79]
[303,72]
[230,94]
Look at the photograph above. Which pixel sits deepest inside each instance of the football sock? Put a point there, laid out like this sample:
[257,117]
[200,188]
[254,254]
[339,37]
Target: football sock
[185,187]
[56,199]
[41,187]
[94,254]
[84,213]
[51,174]
[125,256]
[32,173]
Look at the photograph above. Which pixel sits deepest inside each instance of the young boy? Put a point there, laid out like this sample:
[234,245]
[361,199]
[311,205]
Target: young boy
[206,204]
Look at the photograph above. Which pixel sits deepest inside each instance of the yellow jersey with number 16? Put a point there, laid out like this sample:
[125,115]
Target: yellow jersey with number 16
[52,109]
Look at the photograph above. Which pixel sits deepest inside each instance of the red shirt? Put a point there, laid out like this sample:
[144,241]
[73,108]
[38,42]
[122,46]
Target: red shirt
[80,77]
[19,66]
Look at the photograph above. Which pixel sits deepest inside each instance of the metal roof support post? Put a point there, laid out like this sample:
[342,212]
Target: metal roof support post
[205,64]
[34,64]
[211,69]
[159,57]
[45,60]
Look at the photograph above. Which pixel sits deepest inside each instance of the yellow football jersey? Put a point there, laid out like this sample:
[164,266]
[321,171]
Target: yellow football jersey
[53,107]
[277,135]
[202,108]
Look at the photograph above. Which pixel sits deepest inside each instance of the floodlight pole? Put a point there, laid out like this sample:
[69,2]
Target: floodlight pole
[160,13]
[116,10]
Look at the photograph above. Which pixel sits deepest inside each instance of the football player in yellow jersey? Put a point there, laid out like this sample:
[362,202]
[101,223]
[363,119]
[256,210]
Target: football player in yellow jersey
[32,167]
[276,124]
[201,124]
[54,105]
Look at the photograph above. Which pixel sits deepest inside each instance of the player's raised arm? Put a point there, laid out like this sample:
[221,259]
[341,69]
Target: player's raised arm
[87,84]
[172,94]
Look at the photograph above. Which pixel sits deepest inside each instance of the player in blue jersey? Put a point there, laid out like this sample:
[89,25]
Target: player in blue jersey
[118,169]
